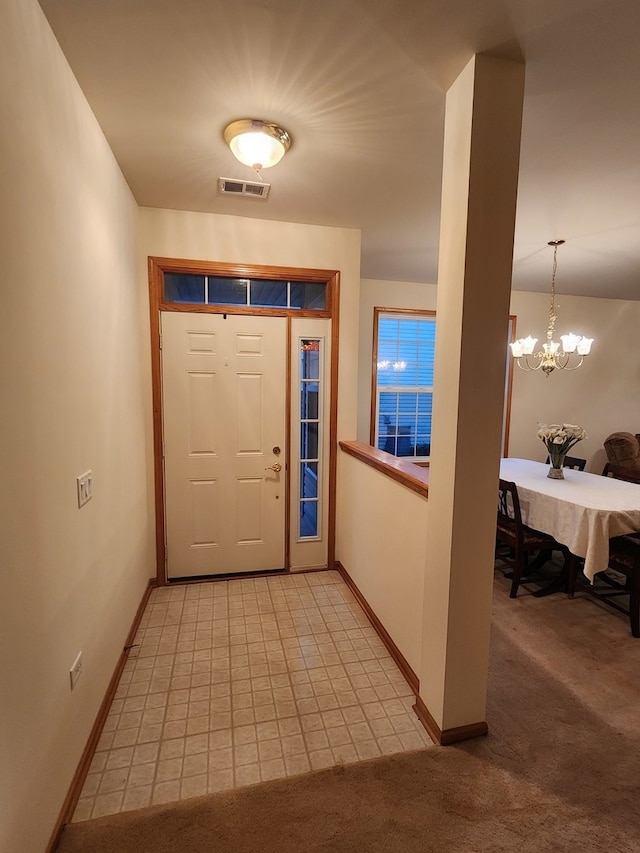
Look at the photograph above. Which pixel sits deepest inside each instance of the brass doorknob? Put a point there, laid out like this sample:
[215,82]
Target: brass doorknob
[277,467]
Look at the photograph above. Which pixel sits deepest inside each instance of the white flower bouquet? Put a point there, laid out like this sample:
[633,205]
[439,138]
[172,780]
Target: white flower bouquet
[559,439]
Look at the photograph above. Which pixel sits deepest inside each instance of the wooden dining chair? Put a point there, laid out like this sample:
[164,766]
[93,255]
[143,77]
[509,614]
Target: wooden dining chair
[519,540]
[621,579]
[617,472]
[572,462]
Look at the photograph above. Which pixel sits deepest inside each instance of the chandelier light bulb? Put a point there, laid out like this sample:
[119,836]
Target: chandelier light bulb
[570,342]
[584,346]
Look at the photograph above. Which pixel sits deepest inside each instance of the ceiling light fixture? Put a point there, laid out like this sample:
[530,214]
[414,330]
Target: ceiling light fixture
[551,356]
[256,143]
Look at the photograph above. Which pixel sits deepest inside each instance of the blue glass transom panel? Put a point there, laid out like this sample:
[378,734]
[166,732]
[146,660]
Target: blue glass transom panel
[268,294]
[180,287]
[309,295]
[227,291]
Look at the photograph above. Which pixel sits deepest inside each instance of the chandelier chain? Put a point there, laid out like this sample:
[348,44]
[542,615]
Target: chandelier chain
[552,307]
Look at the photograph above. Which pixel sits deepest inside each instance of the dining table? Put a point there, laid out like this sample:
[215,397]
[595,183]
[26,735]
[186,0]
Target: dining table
[582,511]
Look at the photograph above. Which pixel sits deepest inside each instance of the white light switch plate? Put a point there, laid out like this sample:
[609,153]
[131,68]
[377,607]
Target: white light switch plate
[76,670]
[85,487]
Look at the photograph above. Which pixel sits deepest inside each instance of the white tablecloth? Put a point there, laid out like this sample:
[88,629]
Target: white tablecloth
[583,511]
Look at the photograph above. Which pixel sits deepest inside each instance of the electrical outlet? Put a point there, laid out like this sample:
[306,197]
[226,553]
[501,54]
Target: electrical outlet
[85,487]
[76,670]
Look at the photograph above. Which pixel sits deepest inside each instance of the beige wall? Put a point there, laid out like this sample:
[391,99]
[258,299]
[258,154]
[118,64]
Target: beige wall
[75,395]
[603,395]
[597,396]
[383,548]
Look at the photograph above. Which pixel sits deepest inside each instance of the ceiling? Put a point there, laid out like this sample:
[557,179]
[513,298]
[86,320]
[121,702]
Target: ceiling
[360,86]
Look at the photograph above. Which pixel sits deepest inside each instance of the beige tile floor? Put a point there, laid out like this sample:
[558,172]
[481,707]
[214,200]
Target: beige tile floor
[240,681]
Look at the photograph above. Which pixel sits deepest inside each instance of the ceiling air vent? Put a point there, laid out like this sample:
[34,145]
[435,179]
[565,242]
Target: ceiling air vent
[248,189]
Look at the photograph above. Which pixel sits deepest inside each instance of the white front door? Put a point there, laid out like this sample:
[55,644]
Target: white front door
[224,418]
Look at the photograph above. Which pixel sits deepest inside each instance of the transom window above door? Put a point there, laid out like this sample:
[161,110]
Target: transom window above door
[192,289]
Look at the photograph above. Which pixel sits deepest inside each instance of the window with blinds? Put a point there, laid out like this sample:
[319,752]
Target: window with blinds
[404,383]
[403,376]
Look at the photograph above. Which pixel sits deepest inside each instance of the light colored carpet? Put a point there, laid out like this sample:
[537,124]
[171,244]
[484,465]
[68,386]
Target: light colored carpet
[559,770]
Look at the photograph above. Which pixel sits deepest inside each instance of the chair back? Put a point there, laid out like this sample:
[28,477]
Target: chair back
[509,505]
[618,472]
[624,557]
[571,462]
[623,450]
[519,539]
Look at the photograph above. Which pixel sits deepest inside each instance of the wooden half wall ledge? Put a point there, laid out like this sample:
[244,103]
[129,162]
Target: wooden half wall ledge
[75,789]
[442,738]
[414,477]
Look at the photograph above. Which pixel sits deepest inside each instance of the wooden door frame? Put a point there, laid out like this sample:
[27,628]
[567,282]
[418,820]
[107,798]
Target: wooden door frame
[157,267]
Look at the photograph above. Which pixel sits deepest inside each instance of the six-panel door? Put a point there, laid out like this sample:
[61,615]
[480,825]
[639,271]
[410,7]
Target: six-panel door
[224,412]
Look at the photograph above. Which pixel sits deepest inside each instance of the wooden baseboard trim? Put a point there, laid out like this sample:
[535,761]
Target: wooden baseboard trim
[394,651]
[75,789]
[448,736]
[443,738]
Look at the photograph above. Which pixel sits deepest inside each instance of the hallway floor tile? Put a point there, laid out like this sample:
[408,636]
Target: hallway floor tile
[240,681]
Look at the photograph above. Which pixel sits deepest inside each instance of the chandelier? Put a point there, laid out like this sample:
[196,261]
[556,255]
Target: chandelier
[552,356]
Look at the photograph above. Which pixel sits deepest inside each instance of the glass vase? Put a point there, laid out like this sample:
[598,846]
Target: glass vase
[555,469]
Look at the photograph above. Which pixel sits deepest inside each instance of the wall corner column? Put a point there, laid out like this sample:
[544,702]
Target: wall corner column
[480,175]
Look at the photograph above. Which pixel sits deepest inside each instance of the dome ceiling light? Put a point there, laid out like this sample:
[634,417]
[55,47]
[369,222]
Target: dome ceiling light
[257,143]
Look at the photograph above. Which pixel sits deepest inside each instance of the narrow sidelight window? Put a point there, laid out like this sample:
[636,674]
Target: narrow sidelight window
[310,378]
